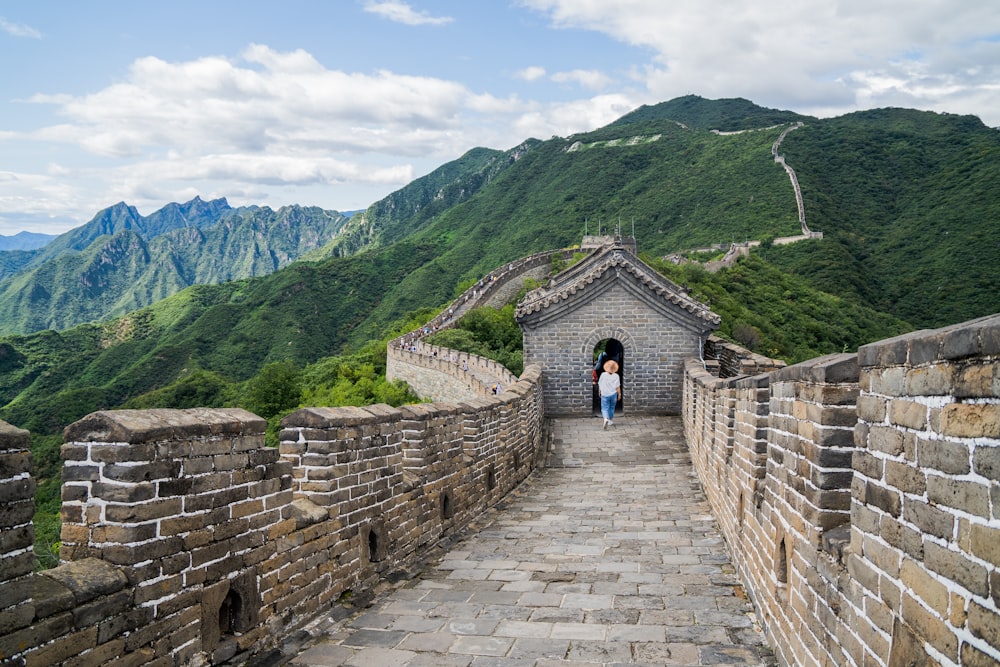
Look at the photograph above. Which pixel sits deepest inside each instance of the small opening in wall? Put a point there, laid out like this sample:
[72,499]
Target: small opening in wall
[517,460]
[781,563]
[739,510]
[373,556]
[491,478]
[446,509]
[230,610]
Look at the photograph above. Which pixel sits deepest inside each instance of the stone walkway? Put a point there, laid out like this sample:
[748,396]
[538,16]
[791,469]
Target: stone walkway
[608,556]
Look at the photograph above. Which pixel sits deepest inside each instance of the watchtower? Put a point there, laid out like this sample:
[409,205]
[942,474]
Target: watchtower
[612,301]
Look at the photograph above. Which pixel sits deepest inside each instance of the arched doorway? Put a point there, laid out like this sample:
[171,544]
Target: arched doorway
[608,348]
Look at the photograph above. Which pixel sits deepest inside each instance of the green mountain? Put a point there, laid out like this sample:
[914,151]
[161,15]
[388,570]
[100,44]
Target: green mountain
[24,241]
[115,219]
[896,193]
[904,198]
[908,204]
[407,210]
[728,115]
[121,261]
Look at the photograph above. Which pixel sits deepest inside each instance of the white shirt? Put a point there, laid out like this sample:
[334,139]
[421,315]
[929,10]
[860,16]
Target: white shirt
[609,384]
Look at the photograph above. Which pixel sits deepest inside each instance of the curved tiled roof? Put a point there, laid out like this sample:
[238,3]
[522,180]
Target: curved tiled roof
[608,258]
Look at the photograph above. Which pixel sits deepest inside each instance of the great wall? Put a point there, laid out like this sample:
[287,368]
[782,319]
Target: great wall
[737,249]
[859,495]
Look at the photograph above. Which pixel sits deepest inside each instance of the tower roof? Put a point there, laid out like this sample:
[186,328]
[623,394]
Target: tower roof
[608,265]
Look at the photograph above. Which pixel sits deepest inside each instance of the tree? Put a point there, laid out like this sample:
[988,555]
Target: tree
[275,389]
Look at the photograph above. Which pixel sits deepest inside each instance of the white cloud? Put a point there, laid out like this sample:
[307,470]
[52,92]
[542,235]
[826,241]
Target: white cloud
[272,101]
[804,56]
[18,30]
[269,170]
[531,73]
[402,12]
[588,78]
[37,196]
[268,119]
[564,119]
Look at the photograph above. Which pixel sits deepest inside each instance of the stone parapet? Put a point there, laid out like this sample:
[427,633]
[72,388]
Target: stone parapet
[187,541]
[17,536]
[859,496]
[735,361]
[926,542]
[440,374]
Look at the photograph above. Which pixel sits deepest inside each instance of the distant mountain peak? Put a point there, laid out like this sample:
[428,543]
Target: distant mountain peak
[25,241]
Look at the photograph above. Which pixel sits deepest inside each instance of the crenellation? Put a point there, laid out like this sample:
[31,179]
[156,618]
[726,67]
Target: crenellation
[900,467]
[858,493]
[184,517]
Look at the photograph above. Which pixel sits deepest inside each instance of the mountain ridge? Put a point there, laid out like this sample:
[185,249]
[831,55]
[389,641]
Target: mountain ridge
[113,219]
[121,261]
[25,241]
[869,184]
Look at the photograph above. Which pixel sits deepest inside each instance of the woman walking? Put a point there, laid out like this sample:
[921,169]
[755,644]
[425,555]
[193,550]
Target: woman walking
[610,387]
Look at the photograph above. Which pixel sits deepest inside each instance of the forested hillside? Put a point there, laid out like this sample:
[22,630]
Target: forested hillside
[121,261]
[905,200]
[407,210]
[908,204]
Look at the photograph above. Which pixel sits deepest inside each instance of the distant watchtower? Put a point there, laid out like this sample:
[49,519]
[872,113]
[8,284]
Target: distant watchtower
[611,301]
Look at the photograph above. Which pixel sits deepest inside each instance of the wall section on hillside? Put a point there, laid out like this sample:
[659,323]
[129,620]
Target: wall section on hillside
[187,541]
[860,496]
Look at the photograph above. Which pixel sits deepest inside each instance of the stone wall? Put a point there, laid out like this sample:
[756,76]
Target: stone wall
[187,541]
[438,374]
[734,360]
[860,497]
[17,536]
[655,348]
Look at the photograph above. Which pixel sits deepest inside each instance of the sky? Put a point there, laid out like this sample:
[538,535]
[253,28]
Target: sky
[337,103]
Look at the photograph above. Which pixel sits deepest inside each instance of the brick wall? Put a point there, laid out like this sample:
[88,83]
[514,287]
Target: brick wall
[655,348]
[860,496]
[734,360]
[438,374]
[187,541]
[17,536]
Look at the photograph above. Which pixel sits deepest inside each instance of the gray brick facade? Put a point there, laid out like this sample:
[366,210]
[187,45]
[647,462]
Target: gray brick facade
[611,294]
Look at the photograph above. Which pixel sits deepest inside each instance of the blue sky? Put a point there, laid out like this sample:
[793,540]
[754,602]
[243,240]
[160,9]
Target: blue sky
[336,103]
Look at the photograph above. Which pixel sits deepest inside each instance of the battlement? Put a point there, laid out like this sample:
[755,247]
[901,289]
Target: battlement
[860,496]
[187,541]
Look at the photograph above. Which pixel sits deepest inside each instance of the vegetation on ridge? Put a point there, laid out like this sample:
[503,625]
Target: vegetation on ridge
[910,212]
[121,261]
[904,200]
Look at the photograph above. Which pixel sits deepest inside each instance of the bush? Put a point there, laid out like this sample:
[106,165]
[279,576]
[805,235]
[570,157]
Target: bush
[275,389]
[489,333]
[200,389]
[747,335]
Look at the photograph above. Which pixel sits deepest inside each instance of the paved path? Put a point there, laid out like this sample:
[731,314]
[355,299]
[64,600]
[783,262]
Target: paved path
[608,556]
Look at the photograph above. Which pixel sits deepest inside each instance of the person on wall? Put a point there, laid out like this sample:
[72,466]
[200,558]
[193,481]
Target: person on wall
[610,387]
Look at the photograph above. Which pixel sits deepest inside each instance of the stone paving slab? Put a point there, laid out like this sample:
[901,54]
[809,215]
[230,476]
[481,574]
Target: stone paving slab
[608,556]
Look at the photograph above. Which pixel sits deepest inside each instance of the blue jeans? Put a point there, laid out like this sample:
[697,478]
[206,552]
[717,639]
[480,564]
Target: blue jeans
[608,406]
